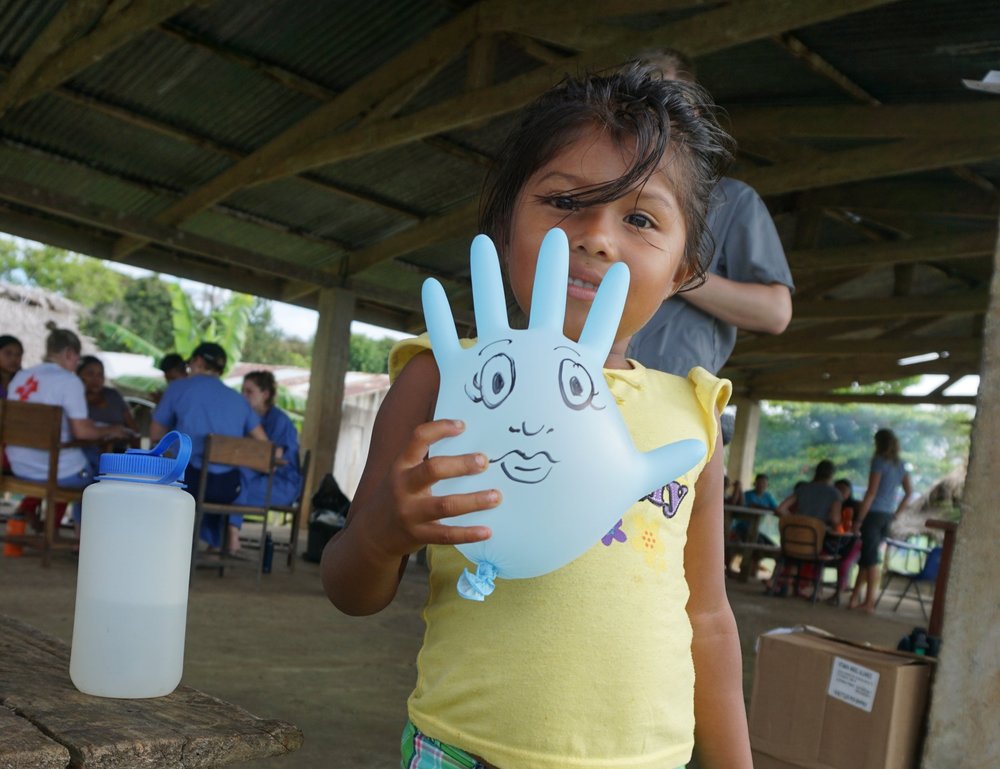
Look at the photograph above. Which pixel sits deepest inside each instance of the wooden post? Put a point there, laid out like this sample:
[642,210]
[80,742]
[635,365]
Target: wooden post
[330,360]
[743,447]
[962,724]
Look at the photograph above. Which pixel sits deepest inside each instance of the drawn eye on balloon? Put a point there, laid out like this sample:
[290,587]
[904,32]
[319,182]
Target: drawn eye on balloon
[537,405]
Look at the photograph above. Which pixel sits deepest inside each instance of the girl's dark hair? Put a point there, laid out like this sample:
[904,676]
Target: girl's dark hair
[668,121]
[6,340]
[265,382]
[887,445]
[89,360]
[60,339]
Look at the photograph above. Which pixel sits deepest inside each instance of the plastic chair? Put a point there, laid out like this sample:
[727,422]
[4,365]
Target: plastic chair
[928,573]
[251,453]
[802,545]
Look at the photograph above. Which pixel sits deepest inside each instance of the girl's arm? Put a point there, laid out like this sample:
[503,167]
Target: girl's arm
[393,512]
[722,740]
[873,480]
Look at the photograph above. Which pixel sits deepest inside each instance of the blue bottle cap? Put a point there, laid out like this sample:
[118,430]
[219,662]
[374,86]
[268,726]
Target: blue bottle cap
[150,466]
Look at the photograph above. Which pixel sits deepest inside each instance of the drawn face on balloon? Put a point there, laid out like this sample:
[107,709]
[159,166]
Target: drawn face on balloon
[537,404]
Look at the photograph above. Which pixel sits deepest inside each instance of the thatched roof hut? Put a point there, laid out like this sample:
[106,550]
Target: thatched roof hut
[24,311]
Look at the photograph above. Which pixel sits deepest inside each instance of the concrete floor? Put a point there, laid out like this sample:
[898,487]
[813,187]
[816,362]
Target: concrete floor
[284,652]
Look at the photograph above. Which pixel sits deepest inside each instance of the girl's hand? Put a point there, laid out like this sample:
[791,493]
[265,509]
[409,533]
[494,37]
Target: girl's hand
[405,516]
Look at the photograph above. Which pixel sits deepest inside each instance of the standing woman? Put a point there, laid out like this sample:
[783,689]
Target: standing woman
[876,512]
[260,390]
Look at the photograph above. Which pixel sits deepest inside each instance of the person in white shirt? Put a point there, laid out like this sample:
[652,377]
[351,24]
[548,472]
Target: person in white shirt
[54,382]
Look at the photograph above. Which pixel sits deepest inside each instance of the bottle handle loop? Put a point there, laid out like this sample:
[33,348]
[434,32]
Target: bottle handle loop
[183,442]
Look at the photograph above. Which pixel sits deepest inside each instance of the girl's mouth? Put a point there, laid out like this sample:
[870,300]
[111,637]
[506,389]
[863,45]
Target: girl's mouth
[581,289]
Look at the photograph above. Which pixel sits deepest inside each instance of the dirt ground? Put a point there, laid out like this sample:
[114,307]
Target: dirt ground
[284,652]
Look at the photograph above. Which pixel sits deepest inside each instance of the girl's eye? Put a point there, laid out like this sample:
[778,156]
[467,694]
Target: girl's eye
[564,203]
[639,220]
[496,380]
[575,385]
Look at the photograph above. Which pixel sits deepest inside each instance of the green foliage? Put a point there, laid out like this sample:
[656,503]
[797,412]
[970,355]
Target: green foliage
[794,437]
[265,343]
[79,278]
[370,355]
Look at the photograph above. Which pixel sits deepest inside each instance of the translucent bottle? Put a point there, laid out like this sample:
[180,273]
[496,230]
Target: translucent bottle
[132,585]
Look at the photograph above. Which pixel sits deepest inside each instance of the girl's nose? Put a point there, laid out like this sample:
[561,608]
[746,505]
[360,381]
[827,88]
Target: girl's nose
[592,232]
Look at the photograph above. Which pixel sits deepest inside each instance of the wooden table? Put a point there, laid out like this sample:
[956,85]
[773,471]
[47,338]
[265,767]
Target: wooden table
[753,516]
[45,723]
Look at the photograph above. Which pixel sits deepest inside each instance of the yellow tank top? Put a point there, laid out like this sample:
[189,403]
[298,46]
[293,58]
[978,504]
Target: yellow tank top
[590,665]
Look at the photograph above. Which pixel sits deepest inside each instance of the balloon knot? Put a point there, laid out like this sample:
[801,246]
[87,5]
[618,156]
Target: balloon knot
[477,586]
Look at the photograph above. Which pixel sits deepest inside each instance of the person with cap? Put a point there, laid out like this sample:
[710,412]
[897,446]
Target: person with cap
[199,405]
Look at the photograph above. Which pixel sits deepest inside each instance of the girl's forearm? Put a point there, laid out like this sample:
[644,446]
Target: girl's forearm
[357,579]
[722,739]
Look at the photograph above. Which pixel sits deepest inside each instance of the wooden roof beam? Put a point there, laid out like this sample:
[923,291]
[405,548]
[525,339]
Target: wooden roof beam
[902,157]
[69,21]
[879,308]
[711,31]
[859,122]
[114,31]
[822,67]
[942,248]
[904,400]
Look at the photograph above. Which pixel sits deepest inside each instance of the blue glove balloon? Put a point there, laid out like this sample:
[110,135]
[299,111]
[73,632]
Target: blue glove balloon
[537,405]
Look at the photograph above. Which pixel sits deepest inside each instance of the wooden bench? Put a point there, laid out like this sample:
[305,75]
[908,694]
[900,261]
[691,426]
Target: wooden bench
[45,723]
[37,426]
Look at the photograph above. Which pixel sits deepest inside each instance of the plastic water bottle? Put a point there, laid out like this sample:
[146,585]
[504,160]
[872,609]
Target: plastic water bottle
[132,584]
[268,554]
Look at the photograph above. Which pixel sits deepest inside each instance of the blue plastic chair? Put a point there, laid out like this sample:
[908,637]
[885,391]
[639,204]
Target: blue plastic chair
[928,573]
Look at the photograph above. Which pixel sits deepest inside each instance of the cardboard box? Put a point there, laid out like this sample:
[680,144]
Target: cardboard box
[819,702]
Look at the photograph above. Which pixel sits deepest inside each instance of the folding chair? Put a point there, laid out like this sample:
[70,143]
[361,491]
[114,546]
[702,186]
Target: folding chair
[251,453]
[802,545]
[928,573]
[299,509]
[37,426]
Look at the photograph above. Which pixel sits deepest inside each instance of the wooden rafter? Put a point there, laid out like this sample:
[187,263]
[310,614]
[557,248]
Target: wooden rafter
[965,303]
[114,31]
[870,255]
[68,22]
[711,31]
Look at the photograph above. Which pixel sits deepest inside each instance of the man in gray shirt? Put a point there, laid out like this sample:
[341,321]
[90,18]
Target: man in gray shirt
[748,284]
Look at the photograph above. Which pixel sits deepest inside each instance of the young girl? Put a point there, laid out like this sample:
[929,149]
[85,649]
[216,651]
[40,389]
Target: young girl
[875,515]
[592,665]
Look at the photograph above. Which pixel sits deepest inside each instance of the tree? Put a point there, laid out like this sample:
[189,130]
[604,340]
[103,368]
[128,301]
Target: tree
[265,343]
[370,355]
[78,278]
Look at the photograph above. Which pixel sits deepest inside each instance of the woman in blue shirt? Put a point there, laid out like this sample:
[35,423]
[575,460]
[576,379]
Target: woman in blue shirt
[260,389]
[876,512]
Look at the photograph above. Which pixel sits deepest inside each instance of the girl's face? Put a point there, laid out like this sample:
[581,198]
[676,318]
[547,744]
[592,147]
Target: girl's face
[10,359]
[93,378]
[644,229]
[256,397]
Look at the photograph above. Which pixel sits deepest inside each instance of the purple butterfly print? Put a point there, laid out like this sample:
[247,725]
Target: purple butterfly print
[616,534]
[668,498]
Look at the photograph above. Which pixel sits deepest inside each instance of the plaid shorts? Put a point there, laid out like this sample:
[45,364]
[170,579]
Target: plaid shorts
[422,752]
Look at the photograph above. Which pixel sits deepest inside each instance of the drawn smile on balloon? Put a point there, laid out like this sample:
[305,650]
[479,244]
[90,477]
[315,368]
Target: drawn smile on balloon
[526,468]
